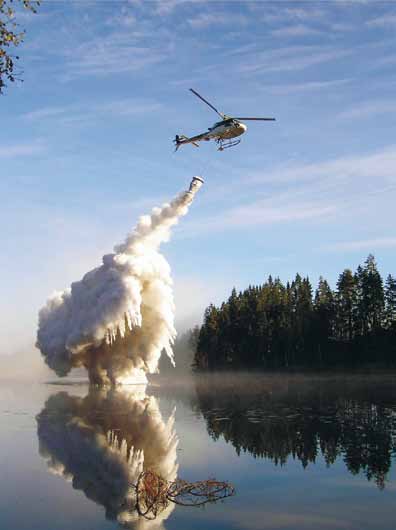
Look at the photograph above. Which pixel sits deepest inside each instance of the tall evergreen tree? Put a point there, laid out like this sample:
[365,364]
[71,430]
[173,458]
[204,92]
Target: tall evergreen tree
[390,301]
[324,306]
[372,295]
[346,304]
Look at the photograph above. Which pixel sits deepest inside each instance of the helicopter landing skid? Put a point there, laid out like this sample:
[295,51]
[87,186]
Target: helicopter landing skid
[226,144]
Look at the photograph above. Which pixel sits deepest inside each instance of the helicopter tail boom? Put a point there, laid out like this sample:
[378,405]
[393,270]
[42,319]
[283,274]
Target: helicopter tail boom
[181,140]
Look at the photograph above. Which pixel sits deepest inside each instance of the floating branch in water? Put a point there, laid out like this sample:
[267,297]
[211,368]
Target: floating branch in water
[153,493]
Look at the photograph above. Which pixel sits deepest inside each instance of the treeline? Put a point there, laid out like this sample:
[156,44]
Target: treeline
[274,325]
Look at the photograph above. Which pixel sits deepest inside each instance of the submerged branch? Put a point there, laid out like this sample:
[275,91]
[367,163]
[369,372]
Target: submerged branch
[153,493]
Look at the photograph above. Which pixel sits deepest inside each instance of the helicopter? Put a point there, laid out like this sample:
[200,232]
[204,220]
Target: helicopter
[225,132]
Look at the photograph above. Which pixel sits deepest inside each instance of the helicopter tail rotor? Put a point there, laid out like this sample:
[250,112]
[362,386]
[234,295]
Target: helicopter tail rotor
[181,140]
[177,142]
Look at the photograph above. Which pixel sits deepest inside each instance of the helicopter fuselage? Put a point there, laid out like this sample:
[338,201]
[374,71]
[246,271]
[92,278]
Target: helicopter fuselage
[227,129]
[221,132]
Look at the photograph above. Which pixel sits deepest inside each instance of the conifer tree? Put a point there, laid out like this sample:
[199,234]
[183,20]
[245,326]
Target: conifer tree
[346,304]
[372,295]
[325,314]
[390,302]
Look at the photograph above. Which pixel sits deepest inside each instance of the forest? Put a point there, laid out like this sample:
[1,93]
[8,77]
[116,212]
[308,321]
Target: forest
[274,326]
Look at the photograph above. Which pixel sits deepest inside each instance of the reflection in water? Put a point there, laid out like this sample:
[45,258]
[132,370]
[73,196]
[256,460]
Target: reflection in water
[101,443]
[277,418]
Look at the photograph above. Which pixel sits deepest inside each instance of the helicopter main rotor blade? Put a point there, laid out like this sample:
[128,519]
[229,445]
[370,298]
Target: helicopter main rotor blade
[256,119]
[207,102]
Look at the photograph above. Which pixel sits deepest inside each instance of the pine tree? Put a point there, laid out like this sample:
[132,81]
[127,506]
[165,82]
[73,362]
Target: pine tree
[390,302]
[325,315]
[205,355]
[372,296]
[346,300]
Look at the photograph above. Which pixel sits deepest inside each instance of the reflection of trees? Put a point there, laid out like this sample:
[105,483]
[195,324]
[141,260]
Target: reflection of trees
[274,419]
[102,442]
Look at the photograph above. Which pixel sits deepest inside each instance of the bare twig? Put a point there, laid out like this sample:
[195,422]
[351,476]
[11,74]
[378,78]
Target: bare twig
[153,493]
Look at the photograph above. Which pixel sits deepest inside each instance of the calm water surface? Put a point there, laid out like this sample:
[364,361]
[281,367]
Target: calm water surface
[302,452]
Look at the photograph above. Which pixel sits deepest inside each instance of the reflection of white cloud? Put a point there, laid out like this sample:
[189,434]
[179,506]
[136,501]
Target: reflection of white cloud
[348,481]
[102,442]
[276,520]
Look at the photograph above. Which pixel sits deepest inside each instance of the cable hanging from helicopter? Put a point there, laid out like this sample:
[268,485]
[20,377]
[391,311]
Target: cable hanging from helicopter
[225,132]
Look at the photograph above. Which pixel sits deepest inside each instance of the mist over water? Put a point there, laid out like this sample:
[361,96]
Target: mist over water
[119,317]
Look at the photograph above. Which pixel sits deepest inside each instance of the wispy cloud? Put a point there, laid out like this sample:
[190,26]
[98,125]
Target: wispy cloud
[306,87]
[124,19]
[264,213]
[366,244]
[276,12]
[302,12]
[123,107]
[383,21]
[343,190]
[369,108]
[204,20]
[342,27]
[381,163]
[167,7]
[282,208]
[292,58]
[45,112]
[23,149]
[299,30]
[113,54]
[127,107]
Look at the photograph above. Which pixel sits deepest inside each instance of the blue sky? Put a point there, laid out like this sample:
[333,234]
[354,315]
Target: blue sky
[86,144]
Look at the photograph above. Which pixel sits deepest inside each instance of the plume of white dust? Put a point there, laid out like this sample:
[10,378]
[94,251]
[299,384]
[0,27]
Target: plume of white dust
[119,317]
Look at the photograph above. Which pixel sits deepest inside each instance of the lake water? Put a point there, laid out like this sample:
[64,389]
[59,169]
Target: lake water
[301,452]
